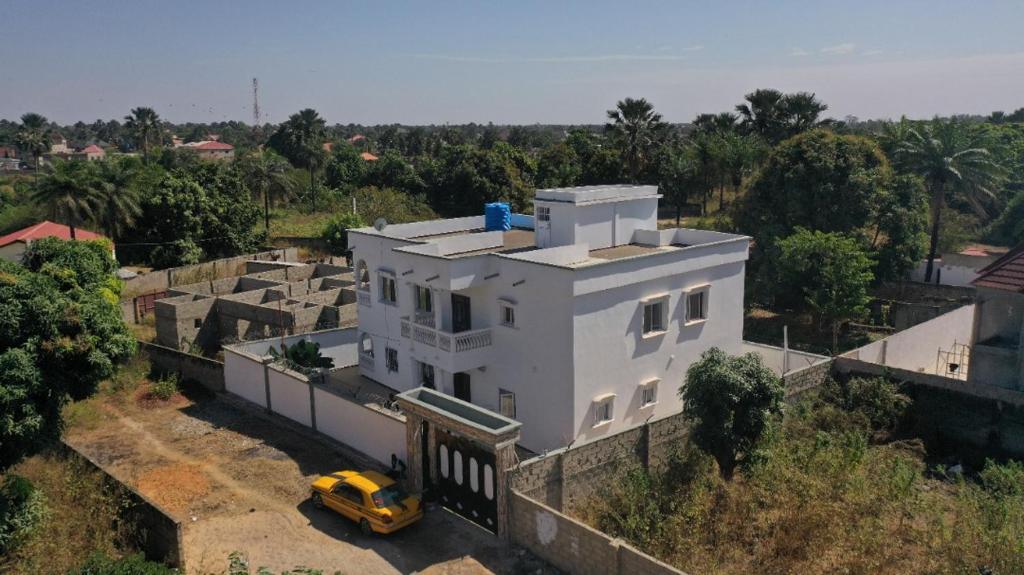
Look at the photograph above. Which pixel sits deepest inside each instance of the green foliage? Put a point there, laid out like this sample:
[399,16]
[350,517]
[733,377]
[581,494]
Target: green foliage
[22,510]
[60,335]
[732,401]
[165,387]
[392,205]
[304,354]
[775,116]
[335,233]
[464,178]
[637,131]
[1005,480]
[876,401]
[91,262]
[900,239]
[100,563]
[1008,228]
[239,565]
[831,271]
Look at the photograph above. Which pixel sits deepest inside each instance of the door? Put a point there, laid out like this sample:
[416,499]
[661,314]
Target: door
[461,381]
[347,500]
[466,479]
[460,313]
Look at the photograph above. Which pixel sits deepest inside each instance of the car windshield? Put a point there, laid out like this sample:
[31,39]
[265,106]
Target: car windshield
[390,495]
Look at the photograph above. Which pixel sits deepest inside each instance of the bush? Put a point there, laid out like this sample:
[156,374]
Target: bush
[877,401]
[22,509]
[165,387]
[335,233]
[102,564]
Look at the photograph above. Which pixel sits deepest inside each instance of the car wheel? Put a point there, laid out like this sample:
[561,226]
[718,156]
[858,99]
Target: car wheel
[364,526]
[318,501]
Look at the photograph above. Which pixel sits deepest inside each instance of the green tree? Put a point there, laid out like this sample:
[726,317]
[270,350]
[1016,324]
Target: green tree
[71,192]
[901,220]
[60,337]
[833,273]
[677,176]
[301,139]
[346,169]
[34,136]
[397,208]
[731,402]
[636,129]
[119,189]
[335,233]
[716,123]
[269,176]
[951,156]
[144,125]
[558,166]
[775,116]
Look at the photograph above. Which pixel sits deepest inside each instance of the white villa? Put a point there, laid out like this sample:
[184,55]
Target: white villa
[577,322]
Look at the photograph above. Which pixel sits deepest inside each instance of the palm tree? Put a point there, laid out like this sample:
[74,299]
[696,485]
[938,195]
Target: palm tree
[268,174]
[636,128]
[70,191]
[951,157]
[300,139]
[739,155]
[143,124]
[721,122]
[776,116]
[117,198]
[34,136]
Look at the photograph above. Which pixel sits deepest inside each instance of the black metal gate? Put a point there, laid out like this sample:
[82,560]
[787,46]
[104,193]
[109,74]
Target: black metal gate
[466,479]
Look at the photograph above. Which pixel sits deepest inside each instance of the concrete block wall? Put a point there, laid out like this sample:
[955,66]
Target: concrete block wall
[574,547]
[207,372]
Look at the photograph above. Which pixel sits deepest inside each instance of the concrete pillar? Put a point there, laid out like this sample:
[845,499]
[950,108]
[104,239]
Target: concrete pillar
[413,445]
[504,459]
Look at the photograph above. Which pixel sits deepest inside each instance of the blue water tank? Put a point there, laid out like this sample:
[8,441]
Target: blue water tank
[497,217]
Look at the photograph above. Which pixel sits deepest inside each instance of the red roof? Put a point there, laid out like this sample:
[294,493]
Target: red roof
[92,149]
[368,157]
[47,229]
[211,145]
[1006,273]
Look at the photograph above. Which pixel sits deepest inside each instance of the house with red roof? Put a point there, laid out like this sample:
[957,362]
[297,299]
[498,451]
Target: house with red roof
[14,244]
[367,156]
[996,354]
[90,153]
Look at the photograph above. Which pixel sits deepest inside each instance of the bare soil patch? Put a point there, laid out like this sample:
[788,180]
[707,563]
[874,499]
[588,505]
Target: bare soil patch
[174,487]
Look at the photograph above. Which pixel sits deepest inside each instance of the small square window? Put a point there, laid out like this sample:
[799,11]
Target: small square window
[604,410]
[508,315]
[198,323]
[654,316]
[697,305]
[391,359]
[543,214]
[388,290]
[649,393]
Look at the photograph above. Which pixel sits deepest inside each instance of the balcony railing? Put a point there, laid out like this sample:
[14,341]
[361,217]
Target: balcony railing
[445,341]
[424,318]
[363,297]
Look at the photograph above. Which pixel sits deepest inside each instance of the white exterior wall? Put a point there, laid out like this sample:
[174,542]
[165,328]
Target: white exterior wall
[916,349]
[289,396]
[611,355]
[372,433]
[244,376]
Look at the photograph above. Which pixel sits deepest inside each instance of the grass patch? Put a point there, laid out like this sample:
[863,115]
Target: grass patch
[295,222]
[82,518]
[831,492]
[164,388]
[145,330]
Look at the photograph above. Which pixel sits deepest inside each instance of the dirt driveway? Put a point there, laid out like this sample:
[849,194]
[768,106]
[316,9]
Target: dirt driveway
[239,481]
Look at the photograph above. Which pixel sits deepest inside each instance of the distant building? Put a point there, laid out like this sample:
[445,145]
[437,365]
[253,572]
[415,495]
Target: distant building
[959,268]
[368,157]
[996,357]
[356,138]
[211,150]
[8,152]
[90,153]
[59,145]
[328,147]
[14,244]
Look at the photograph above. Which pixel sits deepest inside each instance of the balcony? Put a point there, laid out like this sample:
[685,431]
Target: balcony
[425,318]
[449,351]
[363,297]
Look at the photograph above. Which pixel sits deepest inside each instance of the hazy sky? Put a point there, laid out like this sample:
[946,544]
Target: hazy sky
[517,61]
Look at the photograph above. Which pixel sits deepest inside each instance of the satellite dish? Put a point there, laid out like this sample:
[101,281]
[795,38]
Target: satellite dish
[380,224]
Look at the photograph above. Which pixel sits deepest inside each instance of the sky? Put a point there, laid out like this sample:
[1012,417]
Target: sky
[521,62]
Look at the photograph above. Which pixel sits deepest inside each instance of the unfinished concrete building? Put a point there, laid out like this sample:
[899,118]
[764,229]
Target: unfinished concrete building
[275,298]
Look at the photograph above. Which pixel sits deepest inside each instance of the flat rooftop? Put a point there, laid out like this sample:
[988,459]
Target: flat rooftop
[582,195]
[630,250]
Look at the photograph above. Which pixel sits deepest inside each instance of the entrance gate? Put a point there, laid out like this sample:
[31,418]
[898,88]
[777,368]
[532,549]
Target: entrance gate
[466,479]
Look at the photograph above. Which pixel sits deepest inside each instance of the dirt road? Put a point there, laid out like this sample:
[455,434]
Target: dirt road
[239,480]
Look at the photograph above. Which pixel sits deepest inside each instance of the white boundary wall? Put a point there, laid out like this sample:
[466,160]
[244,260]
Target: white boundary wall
[371,432]
[916,349]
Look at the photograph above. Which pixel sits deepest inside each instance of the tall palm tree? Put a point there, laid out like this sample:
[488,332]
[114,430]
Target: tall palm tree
[143,124]
[269,175]
[636,128]
[300,139]
[117,197]
[950,156]
[34,136]
[70,191]
[721,122]
[776,116]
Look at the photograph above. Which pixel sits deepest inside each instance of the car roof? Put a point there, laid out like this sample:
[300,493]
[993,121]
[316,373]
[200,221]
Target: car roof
[369,481]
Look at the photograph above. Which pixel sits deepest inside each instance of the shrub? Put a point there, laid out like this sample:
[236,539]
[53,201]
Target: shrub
[335,233]
[877,400]
[22,509]
[100,563]
[1005,480]
[165,387]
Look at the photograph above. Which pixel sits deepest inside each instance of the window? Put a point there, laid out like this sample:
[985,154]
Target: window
[388,291]
[654,315]
[364,276]
[350,493]
[508,315]
[366,343]
[507,403]
[543,214]
[604,409]
[424,299]
[697,305]
[461,383]
[198,323]
[391,359]
[649,393]
[426,375]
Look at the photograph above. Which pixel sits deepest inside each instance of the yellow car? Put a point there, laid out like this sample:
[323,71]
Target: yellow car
[372,499]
